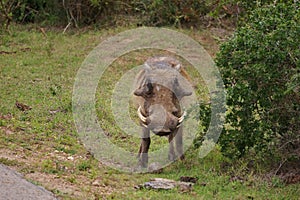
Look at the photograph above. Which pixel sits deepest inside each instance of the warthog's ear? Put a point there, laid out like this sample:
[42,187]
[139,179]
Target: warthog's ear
[181,91]
[144,90]
[186,93]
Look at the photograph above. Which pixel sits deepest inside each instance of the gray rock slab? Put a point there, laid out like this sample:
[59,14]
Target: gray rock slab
[166,184]
[14,187]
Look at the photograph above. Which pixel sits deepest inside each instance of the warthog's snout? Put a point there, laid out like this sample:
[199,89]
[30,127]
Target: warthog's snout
[160,121]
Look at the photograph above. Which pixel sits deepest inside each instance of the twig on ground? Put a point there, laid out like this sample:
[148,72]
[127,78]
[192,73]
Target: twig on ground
[43,31]
[281,164]
[69,24]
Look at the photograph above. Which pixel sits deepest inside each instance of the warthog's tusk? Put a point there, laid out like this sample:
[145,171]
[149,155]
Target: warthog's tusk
[178,125]
[144,125]
[180,119]
[141,116]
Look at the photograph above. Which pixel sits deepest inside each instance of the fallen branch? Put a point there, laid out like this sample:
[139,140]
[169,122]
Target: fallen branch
[281,164]
[8,52]
[69,24]
[43,32]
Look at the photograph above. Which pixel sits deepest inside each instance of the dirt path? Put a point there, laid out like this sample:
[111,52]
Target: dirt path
[14,187]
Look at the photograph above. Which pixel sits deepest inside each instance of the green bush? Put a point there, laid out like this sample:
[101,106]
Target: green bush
[260,66]
[77,12]
[110,12]
[29,10]
[85,12]
[171,12]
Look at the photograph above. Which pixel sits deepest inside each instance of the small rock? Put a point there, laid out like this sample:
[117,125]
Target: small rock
[185,187]
[70,158]
[203,184]
[166,184]
[96,183]
[54,111]
[22,106]
[6,117]
[236,178]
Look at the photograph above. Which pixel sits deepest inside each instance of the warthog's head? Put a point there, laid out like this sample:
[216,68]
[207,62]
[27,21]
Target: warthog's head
[161,87]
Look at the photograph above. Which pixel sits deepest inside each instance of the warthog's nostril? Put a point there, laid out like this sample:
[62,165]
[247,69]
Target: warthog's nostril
[174,111]
[173,124]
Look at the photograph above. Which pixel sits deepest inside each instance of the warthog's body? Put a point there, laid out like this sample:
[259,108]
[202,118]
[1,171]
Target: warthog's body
[160,86]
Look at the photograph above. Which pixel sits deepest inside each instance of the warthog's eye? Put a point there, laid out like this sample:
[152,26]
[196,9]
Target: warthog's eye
[146,90]
[179,90]
[149,88]
[175,113]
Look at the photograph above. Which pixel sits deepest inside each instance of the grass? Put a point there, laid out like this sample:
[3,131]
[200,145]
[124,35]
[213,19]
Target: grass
[42,143]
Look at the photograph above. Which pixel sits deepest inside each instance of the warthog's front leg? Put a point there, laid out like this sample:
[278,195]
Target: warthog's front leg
[171,154]
[177,136]
[179,142]
[145,144]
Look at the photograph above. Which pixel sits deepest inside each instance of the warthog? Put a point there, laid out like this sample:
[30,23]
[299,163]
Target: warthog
[159,88]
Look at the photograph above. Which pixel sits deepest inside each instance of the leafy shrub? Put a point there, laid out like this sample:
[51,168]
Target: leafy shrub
[237,10]
[7,8]
[77,12]
[204,117]
[260,66]
[145,12]
[171,12]
[29,10]
[86,12]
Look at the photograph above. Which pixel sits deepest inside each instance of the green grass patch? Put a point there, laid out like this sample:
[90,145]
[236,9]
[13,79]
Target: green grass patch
[8,162]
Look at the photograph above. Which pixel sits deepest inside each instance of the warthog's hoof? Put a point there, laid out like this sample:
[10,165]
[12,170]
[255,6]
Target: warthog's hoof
[155,168]
[182,157]
[142,164]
